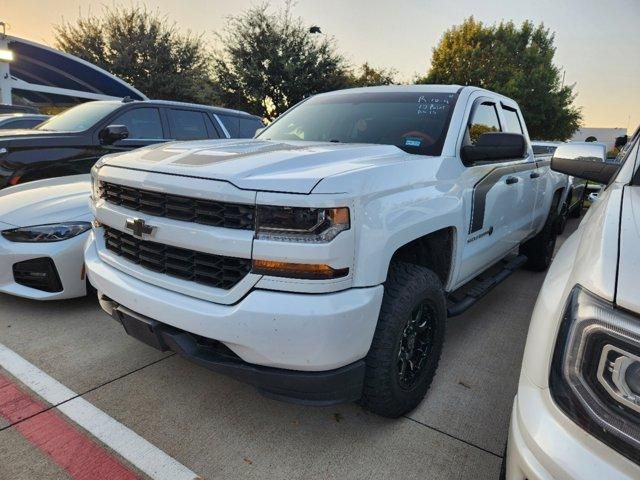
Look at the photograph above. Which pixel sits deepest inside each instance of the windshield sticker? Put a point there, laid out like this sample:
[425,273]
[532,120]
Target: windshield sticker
[412,142]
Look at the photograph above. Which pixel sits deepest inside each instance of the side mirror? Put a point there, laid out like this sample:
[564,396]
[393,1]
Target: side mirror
[584,160]
[495,146]
[113,133]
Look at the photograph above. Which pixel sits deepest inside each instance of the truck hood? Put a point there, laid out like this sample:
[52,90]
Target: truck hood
[628,293]
[288,167]
[46,201]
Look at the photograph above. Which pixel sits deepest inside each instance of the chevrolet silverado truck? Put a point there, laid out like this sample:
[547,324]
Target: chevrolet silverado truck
[320,260]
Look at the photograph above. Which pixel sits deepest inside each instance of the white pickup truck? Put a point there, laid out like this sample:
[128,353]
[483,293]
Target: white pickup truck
[320,260]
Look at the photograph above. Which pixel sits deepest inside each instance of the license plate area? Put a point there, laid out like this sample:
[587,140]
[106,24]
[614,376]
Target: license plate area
[141,328]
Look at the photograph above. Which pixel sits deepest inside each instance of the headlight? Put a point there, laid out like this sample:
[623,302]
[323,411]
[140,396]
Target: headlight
[46,233]
[595,374]
[296,224]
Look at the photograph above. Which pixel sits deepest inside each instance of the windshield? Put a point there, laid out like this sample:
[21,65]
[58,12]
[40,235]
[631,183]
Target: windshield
[416,122]
[79,118]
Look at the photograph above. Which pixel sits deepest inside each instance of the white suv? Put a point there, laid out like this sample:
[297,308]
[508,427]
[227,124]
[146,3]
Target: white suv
[577,411]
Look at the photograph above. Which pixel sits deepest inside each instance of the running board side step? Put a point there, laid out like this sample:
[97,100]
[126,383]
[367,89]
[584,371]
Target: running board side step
[463,298]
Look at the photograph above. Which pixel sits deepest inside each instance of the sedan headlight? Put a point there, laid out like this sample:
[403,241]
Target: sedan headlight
[595,374]
[297,224]
[55,232]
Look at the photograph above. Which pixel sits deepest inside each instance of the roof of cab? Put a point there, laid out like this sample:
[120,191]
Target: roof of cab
[420,88]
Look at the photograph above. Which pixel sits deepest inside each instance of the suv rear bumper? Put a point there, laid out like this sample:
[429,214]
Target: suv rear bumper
[292,331]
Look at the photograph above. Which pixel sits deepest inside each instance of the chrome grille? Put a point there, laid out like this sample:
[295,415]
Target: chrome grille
[212,270]
[177,207]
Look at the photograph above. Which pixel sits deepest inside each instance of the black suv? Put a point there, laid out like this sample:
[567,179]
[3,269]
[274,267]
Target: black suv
[70,143]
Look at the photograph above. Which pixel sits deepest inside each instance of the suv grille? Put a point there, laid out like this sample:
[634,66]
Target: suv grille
[212,270]
[177,207]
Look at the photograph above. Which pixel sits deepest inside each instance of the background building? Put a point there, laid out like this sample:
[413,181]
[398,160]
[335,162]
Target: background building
[47,79]
[604,135]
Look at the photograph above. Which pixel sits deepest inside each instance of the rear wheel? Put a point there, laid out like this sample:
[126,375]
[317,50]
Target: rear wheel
[577,209]
[407,343]
[539,250]
[561,222]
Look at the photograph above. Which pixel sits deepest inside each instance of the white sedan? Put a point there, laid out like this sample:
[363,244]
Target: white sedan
[43,227]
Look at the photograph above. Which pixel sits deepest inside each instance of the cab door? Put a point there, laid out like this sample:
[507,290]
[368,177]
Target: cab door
[498,198]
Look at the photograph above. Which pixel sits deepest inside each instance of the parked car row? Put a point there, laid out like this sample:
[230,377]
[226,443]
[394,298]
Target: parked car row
[44,213]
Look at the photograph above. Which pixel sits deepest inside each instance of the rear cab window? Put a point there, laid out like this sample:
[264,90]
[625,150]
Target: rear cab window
[231,123]
[248,127]
[512,123]
[188,124]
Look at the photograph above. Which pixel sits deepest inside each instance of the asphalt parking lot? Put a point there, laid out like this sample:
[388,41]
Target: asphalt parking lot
[220,428]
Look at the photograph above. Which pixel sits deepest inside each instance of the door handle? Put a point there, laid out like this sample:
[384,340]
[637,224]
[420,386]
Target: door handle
[512,180]
[534,175]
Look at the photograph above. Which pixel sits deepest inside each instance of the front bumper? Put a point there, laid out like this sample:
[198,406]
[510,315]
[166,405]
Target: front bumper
[544,444]
[293,331]
[340,385]
[66,256]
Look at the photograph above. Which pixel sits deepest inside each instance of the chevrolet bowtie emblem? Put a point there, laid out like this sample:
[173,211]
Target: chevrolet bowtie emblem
[139,227]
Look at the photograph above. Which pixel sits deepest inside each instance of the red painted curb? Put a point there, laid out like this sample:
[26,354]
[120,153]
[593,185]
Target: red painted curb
[70,448]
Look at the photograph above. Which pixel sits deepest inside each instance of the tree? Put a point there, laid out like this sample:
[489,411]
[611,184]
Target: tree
[516,62]
[368,76]
[270,61]
[143,49]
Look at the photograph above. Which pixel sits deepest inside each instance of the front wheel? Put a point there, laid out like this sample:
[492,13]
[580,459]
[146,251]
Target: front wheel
[407,343]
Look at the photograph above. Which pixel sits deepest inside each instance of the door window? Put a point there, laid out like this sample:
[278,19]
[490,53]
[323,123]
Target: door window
[142,123]
[187,125]
[484,119]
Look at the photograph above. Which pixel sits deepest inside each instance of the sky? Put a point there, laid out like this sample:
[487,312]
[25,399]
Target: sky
[598,41]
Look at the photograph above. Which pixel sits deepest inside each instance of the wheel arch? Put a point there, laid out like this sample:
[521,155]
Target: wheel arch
[434,250]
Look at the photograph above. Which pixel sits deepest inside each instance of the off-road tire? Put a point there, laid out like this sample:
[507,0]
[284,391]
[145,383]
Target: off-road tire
[407,287]
[539,250]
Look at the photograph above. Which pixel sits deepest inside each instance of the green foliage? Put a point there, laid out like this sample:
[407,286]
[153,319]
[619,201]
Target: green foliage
[269,61]
[478,129]
[516,62]
[143,49]
[368,76]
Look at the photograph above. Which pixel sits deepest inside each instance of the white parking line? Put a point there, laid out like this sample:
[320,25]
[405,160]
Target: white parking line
[128,444]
